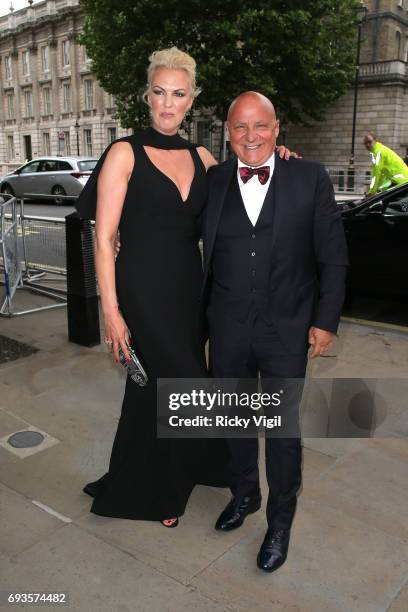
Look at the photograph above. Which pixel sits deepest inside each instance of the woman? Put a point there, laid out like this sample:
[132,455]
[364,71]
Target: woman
[152,186]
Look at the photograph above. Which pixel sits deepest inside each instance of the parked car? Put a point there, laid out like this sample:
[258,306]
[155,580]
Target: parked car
[377,237]
[59,176]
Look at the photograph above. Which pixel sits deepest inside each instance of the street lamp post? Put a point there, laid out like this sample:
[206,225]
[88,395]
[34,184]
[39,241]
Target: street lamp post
[77,126]
[350,179]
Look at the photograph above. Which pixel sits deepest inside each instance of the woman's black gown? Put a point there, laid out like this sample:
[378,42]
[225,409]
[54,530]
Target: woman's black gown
[158,283]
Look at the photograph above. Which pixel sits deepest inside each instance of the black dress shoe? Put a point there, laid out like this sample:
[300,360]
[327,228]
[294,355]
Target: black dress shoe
[236,511]
[274,549]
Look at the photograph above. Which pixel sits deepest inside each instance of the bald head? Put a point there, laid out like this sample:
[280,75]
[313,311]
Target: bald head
[253,128]
[251,99]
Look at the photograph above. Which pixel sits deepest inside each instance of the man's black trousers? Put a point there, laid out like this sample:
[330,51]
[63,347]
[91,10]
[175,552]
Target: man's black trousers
[242,350]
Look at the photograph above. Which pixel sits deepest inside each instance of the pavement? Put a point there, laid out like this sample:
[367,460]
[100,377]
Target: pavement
[349,545]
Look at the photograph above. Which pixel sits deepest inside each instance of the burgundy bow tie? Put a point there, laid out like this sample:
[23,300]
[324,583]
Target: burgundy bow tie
[247,173]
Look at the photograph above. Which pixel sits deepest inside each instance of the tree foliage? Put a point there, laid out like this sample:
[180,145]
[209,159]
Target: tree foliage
[300,53]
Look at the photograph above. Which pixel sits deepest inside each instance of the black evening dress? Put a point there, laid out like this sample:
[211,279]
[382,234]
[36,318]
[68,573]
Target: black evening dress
[158,283]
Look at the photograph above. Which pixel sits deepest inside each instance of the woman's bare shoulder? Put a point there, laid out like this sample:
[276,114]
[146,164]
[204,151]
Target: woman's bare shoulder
[120,157]
[206,157]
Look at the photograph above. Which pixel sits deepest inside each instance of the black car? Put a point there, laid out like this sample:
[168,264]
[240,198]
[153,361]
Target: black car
[377,237]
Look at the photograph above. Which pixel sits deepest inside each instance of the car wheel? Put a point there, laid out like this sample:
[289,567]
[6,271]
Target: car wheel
[59,191]
[7,189]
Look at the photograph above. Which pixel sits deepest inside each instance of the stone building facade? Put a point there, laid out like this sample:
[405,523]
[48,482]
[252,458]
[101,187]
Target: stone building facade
[51,103]
[382,94]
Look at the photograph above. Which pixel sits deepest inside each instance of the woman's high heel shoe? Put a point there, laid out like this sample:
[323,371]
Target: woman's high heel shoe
[170,523]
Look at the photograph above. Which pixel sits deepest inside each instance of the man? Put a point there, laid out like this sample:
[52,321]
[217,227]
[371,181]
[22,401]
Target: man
[275,265]
[387,168]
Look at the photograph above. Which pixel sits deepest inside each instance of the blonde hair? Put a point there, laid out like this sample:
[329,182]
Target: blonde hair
[173,59]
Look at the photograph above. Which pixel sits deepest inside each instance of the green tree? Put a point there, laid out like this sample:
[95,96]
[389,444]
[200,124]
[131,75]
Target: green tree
[301,53]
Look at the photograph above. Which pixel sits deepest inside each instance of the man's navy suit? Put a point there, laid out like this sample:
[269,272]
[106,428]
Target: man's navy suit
[266,285]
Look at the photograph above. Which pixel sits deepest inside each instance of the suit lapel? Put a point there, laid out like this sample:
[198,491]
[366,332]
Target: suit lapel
[216,198]
[280,187]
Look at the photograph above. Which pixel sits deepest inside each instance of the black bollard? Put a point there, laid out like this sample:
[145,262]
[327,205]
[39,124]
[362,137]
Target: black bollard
[82,297]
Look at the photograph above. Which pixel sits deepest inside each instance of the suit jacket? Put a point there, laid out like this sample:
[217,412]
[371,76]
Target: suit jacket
[308,248]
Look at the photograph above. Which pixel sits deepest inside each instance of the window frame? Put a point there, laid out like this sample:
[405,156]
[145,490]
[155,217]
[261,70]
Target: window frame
[66,53]
[89,94]
[45,58]
[25,61]
[66,100]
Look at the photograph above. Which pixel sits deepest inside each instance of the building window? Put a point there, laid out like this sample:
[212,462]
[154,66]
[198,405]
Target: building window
[26,63]
[88,142]
[66,95]
[204,133]
[65,53]
[46,143]
[111,134]
[28,104]
[398,44]
[67,143]
[47,101]
[86,56]
[10,106]
[89,97]
[45,58]
[8,68]
[10,147]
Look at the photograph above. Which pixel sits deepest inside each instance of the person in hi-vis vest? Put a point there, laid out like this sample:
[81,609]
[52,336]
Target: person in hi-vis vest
[387,169]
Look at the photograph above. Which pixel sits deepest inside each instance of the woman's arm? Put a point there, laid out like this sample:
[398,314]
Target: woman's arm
[206,157]
[112,186]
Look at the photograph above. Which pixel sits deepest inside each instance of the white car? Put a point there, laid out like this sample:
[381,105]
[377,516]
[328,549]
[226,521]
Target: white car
[59,176]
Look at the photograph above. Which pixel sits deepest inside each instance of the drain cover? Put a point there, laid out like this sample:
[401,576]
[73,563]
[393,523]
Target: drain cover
[25,439]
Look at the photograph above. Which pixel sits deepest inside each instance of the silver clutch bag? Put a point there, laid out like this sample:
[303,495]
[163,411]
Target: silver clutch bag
[135,369]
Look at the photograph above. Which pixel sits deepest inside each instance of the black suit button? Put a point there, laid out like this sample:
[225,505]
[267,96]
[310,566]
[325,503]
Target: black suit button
[253,254]
[253,235]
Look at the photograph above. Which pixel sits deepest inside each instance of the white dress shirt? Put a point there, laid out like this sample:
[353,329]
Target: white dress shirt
[253,192]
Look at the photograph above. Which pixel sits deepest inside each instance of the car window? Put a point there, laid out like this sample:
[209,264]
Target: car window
[64,165]
[33,167]
[87,165]
[399,205]
[397,202]
[48,165]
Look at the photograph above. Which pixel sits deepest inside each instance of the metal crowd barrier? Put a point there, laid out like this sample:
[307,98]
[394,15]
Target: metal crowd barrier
[33,255]
[10,256]
[349,180]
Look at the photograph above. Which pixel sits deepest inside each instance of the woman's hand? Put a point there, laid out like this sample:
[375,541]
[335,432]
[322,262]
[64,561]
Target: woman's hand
[285,153]
[117,332]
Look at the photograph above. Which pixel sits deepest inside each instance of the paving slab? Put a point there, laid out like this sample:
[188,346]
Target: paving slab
[363,352]
[370,485]
[181,552]
[335,563]
[22,523]
[400,603]
[99,577]
[349,545]
[73,411]
[56,475]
